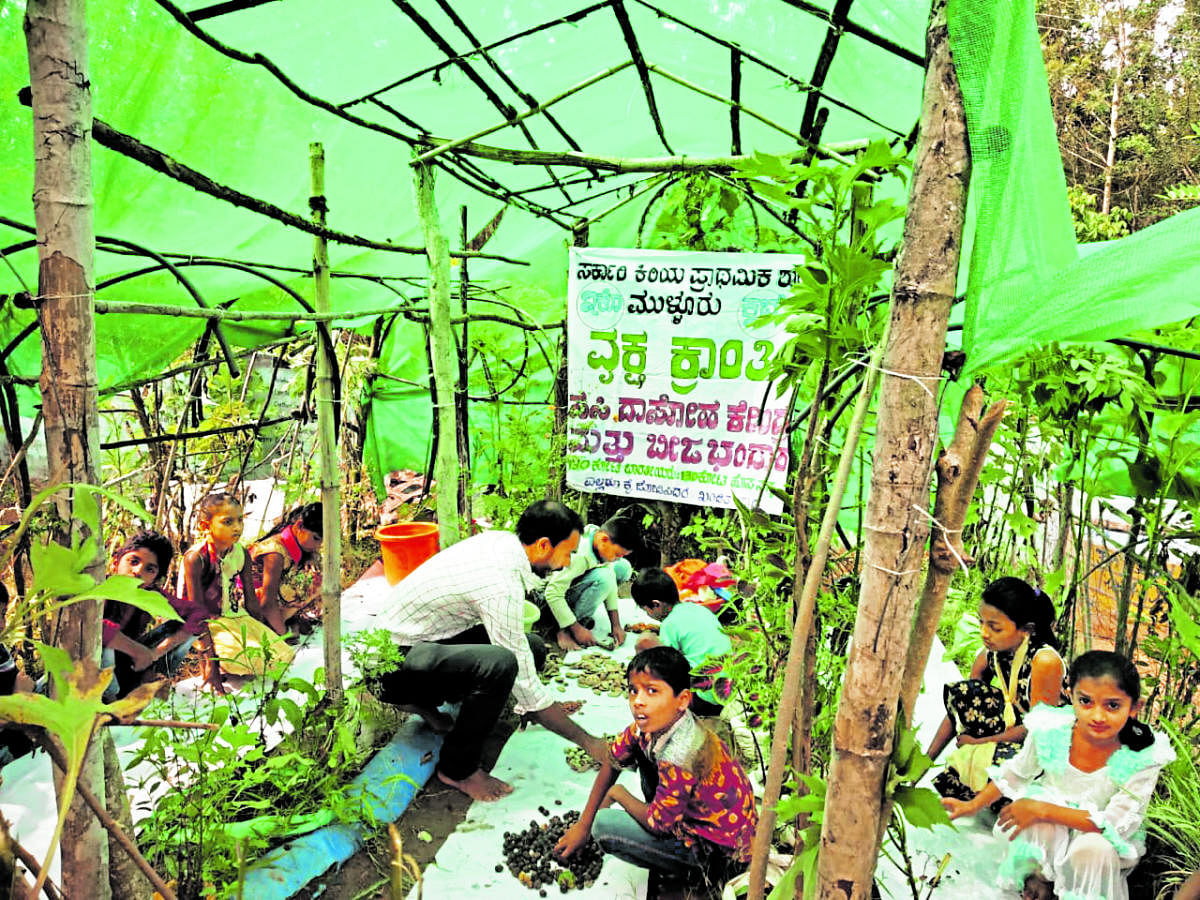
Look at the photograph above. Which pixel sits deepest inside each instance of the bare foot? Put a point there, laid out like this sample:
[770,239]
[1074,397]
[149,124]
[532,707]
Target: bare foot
[570,707]
[566,643]
[438,721]
[479,785]
[1037,888]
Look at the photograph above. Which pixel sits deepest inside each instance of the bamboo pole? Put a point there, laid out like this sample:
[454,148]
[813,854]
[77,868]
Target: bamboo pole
[794,670]
[442,356]
[327,442]
[896,521]
[56,36]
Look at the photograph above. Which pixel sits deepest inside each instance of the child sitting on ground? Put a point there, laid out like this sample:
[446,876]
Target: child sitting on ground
[698,818]
[128,647]
[573,594]
[232,641]
[1020,653]
[287,548]
[691,629]
[1080,787]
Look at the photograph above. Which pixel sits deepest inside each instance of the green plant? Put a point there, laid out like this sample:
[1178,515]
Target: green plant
[912,806]
[224,794]
[373,652]
[60,580]
[1173,818]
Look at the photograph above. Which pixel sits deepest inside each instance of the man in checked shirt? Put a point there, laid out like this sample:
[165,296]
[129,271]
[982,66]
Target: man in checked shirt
[459,617]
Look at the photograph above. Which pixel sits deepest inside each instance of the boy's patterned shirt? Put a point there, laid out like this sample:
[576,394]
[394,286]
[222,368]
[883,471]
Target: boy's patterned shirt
[718,808]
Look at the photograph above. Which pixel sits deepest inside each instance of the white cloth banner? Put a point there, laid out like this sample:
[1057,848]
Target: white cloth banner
[667,373]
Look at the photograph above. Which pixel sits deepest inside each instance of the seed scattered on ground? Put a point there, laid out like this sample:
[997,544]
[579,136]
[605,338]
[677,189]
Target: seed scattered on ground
[528,855]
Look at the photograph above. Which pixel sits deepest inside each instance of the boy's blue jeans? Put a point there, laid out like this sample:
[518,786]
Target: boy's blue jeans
[596,586]
[618,833]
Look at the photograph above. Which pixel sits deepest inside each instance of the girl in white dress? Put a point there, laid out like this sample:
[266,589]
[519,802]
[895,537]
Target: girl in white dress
[1080,787]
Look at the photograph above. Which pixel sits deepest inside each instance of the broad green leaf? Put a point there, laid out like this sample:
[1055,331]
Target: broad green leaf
[58,570]
[792,806]
[85,508]
[127,589]
[921,807]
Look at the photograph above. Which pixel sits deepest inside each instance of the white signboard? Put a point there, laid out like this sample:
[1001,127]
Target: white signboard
[667,374]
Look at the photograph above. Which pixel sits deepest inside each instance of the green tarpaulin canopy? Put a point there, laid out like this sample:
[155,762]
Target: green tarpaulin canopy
[834,73]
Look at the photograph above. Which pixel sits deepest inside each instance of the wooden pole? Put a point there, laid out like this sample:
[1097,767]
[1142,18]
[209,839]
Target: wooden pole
[56,36]
[896,522]
[327,442]
[442,356]
[796,665]
[958,469]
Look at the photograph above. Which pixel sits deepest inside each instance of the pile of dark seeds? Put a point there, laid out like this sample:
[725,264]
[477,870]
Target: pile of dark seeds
[529,857]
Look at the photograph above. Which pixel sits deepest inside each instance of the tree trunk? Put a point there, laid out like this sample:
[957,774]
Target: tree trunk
[56,34]
[896,525]
[327,440]
[1114,117]
[126,880]
[443,358]
[958,469]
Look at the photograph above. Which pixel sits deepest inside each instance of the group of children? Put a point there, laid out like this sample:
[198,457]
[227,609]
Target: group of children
[696,818]
[231,599]
[1070,777]
[1070,774]
[1056,751]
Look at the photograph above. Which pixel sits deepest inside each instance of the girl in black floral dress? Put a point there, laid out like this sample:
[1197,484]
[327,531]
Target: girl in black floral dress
[1018,668]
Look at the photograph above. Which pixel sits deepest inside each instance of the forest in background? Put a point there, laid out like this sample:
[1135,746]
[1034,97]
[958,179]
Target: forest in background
[1124,81]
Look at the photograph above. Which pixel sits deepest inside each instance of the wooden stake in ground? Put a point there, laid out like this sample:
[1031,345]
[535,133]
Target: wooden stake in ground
[327,442]
[958,468]
[896,522]
[56,35]
[443,356]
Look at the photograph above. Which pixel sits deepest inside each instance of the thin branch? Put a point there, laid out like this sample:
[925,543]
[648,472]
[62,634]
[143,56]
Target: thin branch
[604,163]
[30,862]
[160,162]
[525,96]
[442,44]
[635,53]
[774,70]
[569,19]
[735,95]
[166,723]
[236,315]
[457,142]
[186,435]
[833,36]
[800,139]
[224,9]
[112,826]
[650,184]
[866,34]
[25,445]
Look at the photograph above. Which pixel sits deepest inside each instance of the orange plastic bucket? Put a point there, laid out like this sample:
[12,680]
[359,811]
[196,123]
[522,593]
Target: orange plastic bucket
[405,546]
